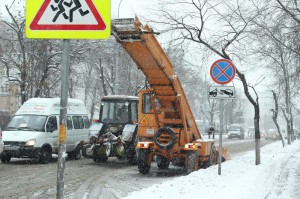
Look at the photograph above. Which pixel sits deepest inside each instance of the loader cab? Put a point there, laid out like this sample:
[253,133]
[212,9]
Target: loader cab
[116,111]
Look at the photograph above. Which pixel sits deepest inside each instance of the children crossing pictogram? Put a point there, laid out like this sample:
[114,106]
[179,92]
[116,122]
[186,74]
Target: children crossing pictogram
[61,9]
[61,15]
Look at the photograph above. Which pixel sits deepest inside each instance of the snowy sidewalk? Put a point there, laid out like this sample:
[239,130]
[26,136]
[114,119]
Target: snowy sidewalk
[277,177]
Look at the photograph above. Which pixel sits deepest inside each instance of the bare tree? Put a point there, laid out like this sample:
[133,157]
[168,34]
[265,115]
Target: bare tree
[279,50]
[190,23]
[30,63]
[274,117]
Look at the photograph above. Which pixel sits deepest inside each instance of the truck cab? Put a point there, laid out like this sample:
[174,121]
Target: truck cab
[115,133]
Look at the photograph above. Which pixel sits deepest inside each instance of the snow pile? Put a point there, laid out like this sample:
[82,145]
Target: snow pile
[277,176]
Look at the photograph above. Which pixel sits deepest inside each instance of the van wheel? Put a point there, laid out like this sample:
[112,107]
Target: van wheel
[45,155]
[5,158]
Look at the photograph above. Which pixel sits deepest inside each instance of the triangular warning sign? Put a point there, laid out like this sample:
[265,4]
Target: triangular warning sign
[67,15]
[143,120]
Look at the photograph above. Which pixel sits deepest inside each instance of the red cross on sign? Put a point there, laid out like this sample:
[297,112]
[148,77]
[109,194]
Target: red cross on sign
[222,71]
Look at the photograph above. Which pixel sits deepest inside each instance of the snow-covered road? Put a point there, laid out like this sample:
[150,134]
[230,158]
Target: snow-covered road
[277,177]
[113,179]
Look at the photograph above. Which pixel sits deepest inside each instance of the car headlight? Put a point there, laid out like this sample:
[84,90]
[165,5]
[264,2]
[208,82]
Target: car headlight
[30,143]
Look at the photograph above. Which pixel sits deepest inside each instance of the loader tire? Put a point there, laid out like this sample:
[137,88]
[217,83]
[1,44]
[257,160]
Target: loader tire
[76,153]
[213,156]
[165,131]
[162,162]
[191,161]
[132,152]
[101,153]
[143,166]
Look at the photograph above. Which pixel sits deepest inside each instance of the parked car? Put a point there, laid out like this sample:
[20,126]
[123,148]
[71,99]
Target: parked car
[272,134]
[251,132]
[236,131]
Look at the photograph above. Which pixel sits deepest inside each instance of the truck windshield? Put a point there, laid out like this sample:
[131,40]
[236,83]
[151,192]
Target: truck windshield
[114,112]
[27,123]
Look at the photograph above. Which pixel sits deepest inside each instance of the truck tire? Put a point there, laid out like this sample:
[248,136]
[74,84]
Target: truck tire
[77,153]
[162,162]
[179,162]
[45,155]
[213,156]
[5,158]
[132,150]
[167,131]
[143,166]
[84,153]
[191,161]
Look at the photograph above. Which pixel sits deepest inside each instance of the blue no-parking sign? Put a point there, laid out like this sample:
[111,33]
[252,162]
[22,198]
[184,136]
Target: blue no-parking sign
[222,71]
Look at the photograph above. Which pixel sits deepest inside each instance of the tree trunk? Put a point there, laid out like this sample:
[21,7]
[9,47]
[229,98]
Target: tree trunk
[275,113]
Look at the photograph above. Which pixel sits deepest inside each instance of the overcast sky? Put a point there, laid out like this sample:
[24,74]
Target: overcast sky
[123,8]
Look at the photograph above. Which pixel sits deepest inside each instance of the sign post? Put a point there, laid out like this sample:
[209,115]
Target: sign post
[222,72]
[63,118]
[60,19]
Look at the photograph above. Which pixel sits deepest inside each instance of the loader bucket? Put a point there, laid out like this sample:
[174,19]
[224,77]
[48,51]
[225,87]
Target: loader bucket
[225,154]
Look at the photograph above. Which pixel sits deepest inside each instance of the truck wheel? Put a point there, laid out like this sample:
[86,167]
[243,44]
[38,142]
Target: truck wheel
[101,153]
[84,151]
[132,151]
[143,166]
[77,153]
[45,155]
[191,161]
[5,158]
[162,162]
[212,156]
[178,162]
[165,137]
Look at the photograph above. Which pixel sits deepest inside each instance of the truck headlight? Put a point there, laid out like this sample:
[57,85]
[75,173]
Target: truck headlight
[30,143]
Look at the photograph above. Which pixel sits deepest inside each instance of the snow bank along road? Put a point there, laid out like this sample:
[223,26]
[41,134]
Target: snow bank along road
[22,178]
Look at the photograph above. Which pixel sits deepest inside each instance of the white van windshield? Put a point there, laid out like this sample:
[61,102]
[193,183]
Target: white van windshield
[27,123]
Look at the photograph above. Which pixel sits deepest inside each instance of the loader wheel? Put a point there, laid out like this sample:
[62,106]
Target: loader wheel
[101,153]
[191,161]
[143,166]
[165,137]
[213,156]
[162,162]
[132,152]
[77,152]
[84,152]
[178,162]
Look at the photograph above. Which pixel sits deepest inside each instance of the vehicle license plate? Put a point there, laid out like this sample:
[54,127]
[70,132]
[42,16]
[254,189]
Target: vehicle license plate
[150,131]
[11,147]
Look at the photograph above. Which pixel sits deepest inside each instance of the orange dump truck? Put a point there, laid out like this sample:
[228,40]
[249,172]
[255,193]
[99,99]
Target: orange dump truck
[166,126]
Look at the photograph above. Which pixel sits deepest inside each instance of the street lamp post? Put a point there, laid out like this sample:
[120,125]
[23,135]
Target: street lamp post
[119,8]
